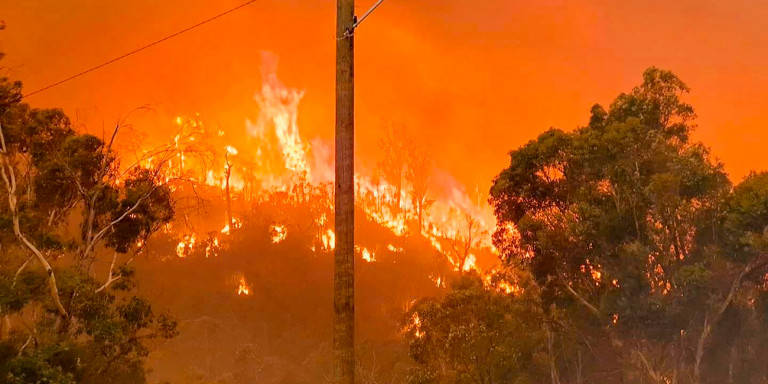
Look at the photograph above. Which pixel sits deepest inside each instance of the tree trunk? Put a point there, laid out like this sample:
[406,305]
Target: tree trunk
[344,262]
[420,208]
[709,321]
[10,183]
[227,174]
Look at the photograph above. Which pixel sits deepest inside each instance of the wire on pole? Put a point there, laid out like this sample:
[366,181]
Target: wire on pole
[360,21]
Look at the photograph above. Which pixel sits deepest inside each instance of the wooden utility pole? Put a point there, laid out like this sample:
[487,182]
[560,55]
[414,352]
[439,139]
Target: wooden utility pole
[344,256]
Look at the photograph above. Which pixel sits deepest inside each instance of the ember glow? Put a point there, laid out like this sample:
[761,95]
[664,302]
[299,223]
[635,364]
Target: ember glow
[226,230]
[393,248]
[278,233]
[243,289]
[185,245]
[415,326]
[366,254]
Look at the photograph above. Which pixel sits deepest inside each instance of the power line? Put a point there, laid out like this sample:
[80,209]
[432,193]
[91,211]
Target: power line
[365,16]
[140,49]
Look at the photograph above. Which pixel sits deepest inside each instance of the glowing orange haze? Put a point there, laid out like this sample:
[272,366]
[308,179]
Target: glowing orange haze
[471,79]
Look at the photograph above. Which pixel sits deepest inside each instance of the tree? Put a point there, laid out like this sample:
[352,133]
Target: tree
[630,228]
[476,334]
[418,171]
[463,241]
[394,146]
[227,174]
[61,324]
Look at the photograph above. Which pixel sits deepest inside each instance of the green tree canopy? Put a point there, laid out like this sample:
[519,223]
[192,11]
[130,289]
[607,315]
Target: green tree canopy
[637,234]
[60,323]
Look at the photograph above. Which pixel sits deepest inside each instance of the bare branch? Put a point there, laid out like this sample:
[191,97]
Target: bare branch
[577,296]
[110,278]
[21,269]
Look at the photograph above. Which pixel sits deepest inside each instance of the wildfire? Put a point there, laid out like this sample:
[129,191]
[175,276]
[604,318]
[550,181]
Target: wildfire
[243,288]
[594,272]
[277,233]
[498,282]
[235,223]
[328,240]
[415,326]
[470,263]
[278,115]
[439,281]
[367,254]
[276,159]
[393,248]
[213,247]
[185,245]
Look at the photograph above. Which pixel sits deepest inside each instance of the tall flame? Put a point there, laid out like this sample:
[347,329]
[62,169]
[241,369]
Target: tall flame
[279,111]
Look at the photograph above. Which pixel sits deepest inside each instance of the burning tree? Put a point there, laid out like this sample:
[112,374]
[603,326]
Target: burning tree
[419,169]
[394,147]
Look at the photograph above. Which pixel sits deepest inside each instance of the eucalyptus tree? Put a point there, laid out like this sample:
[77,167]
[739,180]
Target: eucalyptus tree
[638,240]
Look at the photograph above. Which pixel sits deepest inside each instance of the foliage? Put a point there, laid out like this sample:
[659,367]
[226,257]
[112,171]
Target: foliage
[637,234]
[475,335]
[60,323]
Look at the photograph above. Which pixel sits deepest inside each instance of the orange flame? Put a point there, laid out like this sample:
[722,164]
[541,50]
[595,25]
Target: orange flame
[367,254]
[185,245]
[243,288]
[277,157]
[278,233]
[415,326]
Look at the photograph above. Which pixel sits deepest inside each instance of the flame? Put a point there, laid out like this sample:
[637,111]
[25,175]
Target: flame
[367,254]
[415,326]
[243,288]
[496,281]
[278,107]
[508,288]
[235,223]
[395,249]
[594,272]
[277,159]
[469,263]
[185,245]
[439,281]
[213,247]
[278,233]
[328,240]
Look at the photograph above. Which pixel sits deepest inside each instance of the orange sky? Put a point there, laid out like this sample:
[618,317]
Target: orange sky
[470,79]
